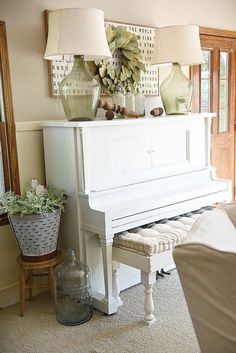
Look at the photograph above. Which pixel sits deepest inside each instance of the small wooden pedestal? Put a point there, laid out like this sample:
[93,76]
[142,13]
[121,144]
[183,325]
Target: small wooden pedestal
[27,275]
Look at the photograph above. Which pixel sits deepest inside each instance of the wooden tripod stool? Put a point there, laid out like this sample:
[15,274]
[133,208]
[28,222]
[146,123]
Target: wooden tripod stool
[27,274]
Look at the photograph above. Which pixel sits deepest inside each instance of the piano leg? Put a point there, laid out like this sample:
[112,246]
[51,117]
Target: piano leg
[109,301]
[148,279]
[115,284]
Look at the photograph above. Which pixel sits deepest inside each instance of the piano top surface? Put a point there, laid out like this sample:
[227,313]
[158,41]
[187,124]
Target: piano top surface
[101,121]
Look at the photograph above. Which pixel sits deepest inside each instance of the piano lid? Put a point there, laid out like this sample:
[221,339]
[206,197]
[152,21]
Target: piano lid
[136,198]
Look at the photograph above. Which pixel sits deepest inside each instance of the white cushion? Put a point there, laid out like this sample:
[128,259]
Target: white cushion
[230,209]
[206,263]
[214,229]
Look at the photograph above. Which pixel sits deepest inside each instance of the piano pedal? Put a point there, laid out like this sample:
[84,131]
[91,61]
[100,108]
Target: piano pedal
[159,275]
[165,272]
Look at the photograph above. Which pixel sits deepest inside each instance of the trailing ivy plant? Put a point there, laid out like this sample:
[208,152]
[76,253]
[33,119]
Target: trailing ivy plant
[125,44]
[34,200]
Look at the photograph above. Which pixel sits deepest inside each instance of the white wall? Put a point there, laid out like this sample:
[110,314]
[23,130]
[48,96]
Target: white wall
[29,78]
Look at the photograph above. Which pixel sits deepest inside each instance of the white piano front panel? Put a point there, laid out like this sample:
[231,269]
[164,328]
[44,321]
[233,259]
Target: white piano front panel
[130,153]
[180,149]
[175,145]
[143,152]
[115,156]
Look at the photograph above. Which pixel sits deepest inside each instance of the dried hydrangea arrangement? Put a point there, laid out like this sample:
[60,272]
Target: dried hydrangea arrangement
[34,200]
[125,44]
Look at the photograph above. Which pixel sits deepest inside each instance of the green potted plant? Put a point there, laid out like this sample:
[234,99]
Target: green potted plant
[35,218]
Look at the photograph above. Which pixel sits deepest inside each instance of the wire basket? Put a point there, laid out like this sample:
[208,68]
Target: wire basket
[36,235]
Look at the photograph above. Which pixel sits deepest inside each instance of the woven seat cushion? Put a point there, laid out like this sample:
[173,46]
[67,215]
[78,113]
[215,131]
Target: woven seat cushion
[157,237]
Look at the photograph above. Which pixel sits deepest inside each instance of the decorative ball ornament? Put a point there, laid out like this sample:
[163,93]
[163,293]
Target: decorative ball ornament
[128,66]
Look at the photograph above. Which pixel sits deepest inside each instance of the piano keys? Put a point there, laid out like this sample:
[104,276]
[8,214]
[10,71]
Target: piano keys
[126,173]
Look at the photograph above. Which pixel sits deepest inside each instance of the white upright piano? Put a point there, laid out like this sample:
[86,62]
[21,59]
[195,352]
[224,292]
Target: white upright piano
[125,173]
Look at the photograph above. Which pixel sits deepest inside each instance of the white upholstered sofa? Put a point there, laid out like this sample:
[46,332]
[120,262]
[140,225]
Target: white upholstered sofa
[206,263]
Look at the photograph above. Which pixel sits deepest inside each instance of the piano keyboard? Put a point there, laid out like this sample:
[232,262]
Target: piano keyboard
[160,236]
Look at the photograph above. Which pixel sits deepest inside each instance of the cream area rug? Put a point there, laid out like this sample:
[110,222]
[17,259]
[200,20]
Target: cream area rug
[39,332]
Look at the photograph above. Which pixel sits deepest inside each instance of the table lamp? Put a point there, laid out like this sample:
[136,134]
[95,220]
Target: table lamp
[177,45]
[79,32]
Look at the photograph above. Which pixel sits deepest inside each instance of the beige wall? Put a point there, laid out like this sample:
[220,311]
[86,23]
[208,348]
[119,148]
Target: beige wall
[26,44]
[29,138]
[31,165]
[8,267]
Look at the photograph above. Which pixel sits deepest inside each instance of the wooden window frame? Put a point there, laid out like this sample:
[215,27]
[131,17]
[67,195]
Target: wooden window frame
[7,128]
[223,142]
[193,70]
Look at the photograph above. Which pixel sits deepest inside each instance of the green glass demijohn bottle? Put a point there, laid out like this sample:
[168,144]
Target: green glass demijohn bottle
[74,304]
[80,92]
[176,92]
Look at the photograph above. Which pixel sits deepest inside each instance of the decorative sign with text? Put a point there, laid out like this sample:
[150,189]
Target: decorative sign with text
[149,83]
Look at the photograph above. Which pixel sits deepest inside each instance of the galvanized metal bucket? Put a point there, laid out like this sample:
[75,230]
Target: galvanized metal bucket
[37,235]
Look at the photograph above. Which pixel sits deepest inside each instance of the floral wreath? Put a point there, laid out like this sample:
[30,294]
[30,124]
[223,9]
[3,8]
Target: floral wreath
[128,70]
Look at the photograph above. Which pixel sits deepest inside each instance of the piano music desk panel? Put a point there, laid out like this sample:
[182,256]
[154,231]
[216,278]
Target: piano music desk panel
[142,152]
[123,174]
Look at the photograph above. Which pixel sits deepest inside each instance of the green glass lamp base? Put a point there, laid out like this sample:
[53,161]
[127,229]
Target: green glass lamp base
[176,92]
[80,93]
